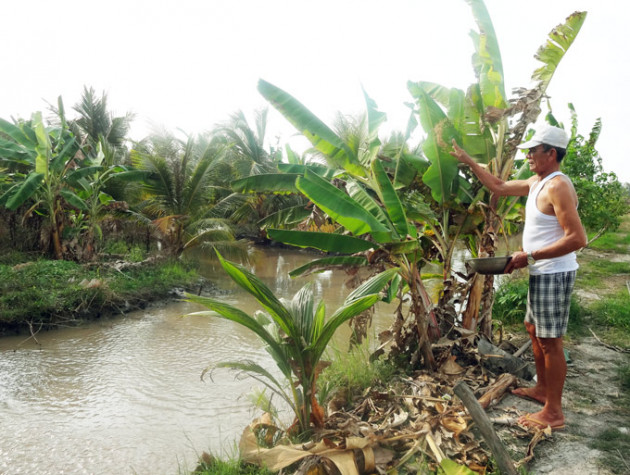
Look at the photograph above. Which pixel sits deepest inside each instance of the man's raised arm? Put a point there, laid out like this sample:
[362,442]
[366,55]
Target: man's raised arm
[493,183]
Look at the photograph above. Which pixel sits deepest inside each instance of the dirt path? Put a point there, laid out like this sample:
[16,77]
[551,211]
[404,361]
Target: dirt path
[593,403]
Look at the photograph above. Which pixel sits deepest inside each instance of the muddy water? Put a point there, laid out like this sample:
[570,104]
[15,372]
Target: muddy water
[124,395]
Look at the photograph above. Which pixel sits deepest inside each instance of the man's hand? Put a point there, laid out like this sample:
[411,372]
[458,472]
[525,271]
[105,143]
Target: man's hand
[460,154]
[518,261]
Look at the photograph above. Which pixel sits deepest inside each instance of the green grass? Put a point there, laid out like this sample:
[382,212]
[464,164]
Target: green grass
[613,310]
[593,273]
[51,292]
[616,242]
[616,447]
[211,466]
[352,372]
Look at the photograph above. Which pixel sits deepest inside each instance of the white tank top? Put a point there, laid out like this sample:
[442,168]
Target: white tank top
[540,231]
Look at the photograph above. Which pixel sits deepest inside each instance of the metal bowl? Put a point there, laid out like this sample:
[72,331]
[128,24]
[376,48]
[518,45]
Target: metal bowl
[489,265]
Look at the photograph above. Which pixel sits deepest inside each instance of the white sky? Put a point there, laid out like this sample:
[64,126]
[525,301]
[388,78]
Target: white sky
[189,64]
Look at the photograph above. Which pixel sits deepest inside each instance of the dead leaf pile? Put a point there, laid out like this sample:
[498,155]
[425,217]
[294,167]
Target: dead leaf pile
[384,429]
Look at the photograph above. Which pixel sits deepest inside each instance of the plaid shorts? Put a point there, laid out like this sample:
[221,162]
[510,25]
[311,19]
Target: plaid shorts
[548,303]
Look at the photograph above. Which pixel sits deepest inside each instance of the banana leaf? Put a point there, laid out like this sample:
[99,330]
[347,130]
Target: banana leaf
[319,134]
[487,58]
[341,208]
[74,200]
[299,169]
[285,217]
[25,190]
[327,242]
[320,265]
[43,146]
[559,41]
[358,192]
[440,176]
[24,136]
[390,199]
[16,152]
[375,119]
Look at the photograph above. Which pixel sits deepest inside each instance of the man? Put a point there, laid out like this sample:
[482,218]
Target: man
[553,232]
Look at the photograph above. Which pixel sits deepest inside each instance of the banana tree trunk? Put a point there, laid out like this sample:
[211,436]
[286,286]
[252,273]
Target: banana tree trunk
[470,317]
[480,297]
[424,318]
[56,230]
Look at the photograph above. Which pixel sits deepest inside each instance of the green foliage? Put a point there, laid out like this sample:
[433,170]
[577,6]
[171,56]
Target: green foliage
[49,292]
[611,242]
[296,334]
[603,199]
[212,466]
[353,371]
[130,253]
[510,301]
[613,310]
[60,176]
[184,178]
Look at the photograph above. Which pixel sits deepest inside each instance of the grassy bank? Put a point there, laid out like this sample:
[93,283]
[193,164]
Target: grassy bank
[47,294]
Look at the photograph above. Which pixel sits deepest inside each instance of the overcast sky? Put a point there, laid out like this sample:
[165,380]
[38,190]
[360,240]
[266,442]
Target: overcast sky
[189,64]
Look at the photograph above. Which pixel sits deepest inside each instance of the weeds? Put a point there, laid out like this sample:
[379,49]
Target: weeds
[613,310]
[616,446]
[213,466]
[352,372]
[510,301]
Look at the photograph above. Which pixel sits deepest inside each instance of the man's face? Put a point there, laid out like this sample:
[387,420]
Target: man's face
[538,157]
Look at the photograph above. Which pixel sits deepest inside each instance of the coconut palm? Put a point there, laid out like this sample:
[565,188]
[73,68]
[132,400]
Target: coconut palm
[186,178]
[96,126]
[247,155]
[296,334]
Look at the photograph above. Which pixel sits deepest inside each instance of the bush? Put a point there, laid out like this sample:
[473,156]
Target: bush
[510,301]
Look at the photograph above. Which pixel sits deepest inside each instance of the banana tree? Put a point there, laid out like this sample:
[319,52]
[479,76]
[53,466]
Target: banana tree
[296,334]
[357,195]
[92,203]
[57,178]
[489,127]
[50,155]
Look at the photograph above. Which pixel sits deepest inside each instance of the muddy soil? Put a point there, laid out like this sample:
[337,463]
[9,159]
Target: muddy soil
[592,403]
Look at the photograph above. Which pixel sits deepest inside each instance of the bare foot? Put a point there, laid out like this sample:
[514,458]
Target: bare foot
[533,394]
[541,420]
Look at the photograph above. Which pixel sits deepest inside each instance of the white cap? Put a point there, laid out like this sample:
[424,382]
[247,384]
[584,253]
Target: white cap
[549,135]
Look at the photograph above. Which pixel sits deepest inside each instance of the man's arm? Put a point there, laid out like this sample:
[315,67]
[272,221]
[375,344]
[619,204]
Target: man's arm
[493,183]
[564,202]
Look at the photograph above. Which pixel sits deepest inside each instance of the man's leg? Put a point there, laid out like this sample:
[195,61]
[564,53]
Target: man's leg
[555,371]
[538,392]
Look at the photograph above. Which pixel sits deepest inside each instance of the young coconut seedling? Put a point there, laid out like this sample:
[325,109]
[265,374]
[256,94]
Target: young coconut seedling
[296,333]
